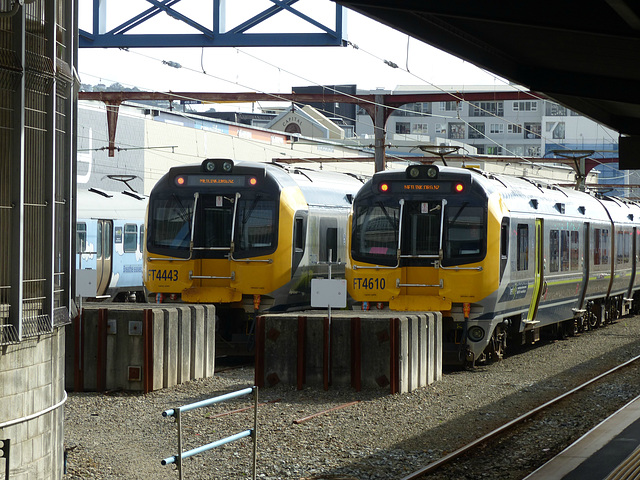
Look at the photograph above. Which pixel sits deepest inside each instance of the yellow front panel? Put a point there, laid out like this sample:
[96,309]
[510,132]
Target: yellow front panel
[166,276]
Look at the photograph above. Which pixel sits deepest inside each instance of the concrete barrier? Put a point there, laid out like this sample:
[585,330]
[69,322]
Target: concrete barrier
[398,351]
[139,347]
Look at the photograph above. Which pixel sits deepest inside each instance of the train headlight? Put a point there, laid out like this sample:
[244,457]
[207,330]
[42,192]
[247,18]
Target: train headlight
[211,165]
[414,172]
[253,181]
[384,187]
[475,333]
[432,171]
[459,187]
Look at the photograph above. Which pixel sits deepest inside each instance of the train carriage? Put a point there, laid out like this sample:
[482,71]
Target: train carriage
[245,236]
[501,257]
[110,239]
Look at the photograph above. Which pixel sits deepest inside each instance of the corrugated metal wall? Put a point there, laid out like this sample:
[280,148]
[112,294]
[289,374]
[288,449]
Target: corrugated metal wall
[37,110]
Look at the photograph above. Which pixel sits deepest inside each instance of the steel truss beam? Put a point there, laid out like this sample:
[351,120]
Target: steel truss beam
[122,36]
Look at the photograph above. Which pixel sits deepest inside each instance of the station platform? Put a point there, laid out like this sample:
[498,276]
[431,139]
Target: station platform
[609,451]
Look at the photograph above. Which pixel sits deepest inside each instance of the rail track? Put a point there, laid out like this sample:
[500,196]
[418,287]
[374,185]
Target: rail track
[494,445]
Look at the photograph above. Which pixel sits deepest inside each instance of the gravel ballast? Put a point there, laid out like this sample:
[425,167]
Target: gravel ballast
[382,436]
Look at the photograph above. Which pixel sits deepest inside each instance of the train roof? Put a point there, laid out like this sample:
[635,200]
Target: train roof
[95,203]
[535,196]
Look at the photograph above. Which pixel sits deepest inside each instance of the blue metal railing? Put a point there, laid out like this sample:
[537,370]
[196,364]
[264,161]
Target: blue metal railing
[177,413]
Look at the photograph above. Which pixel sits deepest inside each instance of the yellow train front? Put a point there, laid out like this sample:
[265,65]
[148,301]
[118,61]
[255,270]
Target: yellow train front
[427,239]
[247,237]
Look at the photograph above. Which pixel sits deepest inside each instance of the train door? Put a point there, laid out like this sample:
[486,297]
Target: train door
[634,261]
[104,249]
[585,262]
[538,276]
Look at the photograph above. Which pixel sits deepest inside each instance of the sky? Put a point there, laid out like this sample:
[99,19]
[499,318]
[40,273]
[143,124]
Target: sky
[267,69]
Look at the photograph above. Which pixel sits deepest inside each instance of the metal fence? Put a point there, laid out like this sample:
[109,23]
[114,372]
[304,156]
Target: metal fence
[177,413]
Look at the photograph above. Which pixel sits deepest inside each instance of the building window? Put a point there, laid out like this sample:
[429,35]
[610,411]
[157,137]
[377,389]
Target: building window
[403,127]
[532,130]
[457,130]
[486,109]
[496,128]
[441,129]
[130,237]
[476,130]
[420,107]
[493,150]
[525,106]
[479,149]
[449,106]
[554,110]
[514,128]
[556,129]
[517,150]
[420,128]
[533,151]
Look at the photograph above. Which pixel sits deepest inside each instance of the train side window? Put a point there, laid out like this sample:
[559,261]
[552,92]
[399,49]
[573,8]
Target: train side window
[564,250]
[81,237]
[554,250]
[298,241]
[575,250]
[522,235]
[130,237]
[605,246]
[619,248]
[141,238]
[627,247]
[596,246]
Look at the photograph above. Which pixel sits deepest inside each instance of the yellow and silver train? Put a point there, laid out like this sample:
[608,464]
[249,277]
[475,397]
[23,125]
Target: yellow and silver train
[247,237]
[502,258]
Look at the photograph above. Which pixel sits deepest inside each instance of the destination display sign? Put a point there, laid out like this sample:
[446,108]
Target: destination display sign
[417,187]
[211,180]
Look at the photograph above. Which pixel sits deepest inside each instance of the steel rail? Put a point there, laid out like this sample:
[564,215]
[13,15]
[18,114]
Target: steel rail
[494,433]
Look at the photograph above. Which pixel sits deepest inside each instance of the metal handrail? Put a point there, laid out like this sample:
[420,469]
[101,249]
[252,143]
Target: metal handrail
[177,412]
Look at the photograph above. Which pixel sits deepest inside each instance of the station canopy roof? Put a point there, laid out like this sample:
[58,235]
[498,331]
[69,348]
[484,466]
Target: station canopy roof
[584,55]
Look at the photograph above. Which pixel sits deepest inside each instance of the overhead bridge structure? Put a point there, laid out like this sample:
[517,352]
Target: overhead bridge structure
[586,56]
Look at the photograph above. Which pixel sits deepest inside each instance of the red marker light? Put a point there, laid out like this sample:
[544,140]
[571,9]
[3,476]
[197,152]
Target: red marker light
[253,181]
[384,187]
[459,187]
[180,180]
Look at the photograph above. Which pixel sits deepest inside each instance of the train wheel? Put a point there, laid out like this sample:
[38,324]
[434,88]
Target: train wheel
[498,344]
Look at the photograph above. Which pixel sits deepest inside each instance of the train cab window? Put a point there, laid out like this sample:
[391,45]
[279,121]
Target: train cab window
[564,250]
[170,223]
[575,251]
[554,251]
[375,233]
[255,224]
[465,235]
[81,237]
[130,237]
[421,228]
[522,260]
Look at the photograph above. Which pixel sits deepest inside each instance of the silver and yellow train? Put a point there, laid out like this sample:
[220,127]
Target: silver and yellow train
[247,237]
[502,258]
